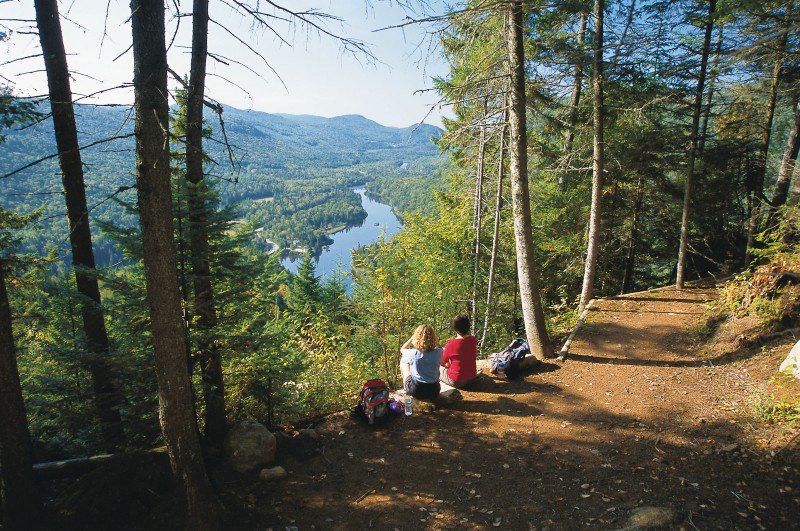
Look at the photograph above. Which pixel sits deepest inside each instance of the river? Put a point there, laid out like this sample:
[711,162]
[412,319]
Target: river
[380,220]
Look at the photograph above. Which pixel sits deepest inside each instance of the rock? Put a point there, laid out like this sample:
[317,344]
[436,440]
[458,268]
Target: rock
[309,433]
[249,445]
[729,447]
[649,517]
[791,364]
[273,474]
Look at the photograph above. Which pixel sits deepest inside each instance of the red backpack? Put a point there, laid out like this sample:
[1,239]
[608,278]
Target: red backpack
[373,402]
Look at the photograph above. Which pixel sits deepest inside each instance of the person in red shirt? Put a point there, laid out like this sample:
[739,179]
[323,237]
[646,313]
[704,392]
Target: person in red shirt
[458,361]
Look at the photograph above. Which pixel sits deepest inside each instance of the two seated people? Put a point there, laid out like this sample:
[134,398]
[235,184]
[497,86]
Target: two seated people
[424,363]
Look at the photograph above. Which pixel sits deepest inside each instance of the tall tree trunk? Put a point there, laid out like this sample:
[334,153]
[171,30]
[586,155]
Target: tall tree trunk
[595,216]
[213,385]
[574,101]
[20,507]
[532,312]
[618,49]
[158,246]
[477,218]
[787,165]
[498,207]
[698,104]
[712,77]
[106,392]
[766,135]
[633,237]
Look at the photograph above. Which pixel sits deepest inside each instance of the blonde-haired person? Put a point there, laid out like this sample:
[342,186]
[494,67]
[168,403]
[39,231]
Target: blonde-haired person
[419,363]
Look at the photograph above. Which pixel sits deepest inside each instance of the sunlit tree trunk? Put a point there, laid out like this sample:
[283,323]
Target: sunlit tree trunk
[766,135]
[574,100]
[530,299]
[213,385]
[158,248]
[106,392]
[20,507]
[698,104]
[787,165]
[595,216]
[498,207]
[477,219]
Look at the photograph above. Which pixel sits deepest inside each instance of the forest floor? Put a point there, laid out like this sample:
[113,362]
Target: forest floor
[645,412]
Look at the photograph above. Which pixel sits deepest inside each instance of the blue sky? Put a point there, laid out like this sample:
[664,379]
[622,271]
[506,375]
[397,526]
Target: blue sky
[320,79]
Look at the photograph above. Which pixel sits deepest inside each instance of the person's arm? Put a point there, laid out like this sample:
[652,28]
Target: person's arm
[445,357]
[407,344]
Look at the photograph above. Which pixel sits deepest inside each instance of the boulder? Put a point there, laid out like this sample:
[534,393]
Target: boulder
[648,517]
[249,445]
[791,364]
[273,473]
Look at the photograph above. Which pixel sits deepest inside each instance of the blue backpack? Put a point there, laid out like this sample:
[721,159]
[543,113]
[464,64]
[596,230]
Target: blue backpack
[508,361]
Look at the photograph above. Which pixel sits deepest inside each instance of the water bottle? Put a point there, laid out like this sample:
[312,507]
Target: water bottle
[407,405]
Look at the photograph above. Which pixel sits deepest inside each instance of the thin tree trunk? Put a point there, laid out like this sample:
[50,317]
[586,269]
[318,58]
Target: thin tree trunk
[533,315]
[618,49]
[595,216]
[20,507]
[766,135]
[477,219]
[211,363]
[630,259]
[712,77]
[574,101]
[106,392]
[163,295]
[787,165]
[687,192]
[498,207]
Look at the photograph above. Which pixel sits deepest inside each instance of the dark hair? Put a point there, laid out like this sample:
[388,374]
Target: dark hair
[461,325]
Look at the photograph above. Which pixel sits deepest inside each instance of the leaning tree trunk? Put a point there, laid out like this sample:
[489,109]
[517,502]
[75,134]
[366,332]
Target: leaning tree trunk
[213,388]
[477,218]
[618,49]
[158,249]
[595,216]
[787,165]
[574,101]
[106,392]
[530,299]
[20,507]
[698,104]
[498,207]
[766,134]
[701,142]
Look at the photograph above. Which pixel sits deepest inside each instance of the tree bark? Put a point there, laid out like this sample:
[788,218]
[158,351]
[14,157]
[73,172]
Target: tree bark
[766,135]
[595,216]
[211,363]
[158,246]
[781,191]
[106,392]
[20,506]
[477,219]
[618,49]
[687,192]
[630,259]
[498,207]
[574,101]
[530,299]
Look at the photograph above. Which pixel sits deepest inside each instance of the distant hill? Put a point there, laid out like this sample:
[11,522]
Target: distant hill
[287,157]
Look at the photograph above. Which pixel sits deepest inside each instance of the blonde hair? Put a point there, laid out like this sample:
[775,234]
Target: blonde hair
[424,338]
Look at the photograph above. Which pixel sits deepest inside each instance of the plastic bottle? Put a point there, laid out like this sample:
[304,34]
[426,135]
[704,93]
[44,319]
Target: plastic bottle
[407,403]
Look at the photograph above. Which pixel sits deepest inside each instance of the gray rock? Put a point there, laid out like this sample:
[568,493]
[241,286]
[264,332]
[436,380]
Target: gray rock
[309,433]
[272,474]
[648,517]
[792,362]
[249,445]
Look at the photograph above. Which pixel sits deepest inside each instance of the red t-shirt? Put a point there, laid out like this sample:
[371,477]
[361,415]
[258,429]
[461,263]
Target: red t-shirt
[461,353]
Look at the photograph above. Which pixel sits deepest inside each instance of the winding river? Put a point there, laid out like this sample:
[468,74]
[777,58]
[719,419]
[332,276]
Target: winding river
[380,220]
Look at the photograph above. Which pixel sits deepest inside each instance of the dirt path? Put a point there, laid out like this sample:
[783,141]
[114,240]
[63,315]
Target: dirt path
[633,418]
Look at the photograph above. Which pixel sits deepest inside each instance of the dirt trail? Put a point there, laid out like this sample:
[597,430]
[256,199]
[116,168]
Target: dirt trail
[635,417]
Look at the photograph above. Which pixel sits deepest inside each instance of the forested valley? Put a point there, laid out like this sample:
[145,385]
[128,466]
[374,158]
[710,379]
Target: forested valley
[590,149]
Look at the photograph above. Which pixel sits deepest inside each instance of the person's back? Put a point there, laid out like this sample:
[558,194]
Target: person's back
[459,357]
[419,364]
